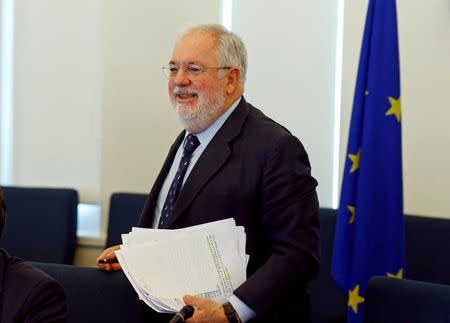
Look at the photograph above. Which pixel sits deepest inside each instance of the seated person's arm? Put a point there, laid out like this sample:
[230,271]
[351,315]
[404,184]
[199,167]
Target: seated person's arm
[46,303]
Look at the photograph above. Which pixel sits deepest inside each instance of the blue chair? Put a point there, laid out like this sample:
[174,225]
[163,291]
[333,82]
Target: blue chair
[328,302]
[124,212]
[95,296]
[392,300]
[41,224]
[427,249]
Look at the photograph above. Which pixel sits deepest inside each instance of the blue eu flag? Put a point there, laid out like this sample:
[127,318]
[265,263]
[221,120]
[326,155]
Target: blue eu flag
[369,238]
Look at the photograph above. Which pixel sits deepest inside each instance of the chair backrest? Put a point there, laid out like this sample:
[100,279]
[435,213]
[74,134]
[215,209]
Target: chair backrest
[328,302]
[41,224]
[124,212]
[427,249]
[95,296]
[392,300]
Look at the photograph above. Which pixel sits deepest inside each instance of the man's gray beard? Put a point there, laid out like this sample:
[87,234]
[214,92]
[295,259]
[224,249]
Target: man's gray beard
[208,111]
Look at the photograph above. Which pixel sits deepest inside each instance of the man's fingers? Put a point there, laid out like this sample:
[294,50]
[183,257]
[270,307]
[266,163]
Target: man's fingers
[205,310]
[109,253]
[109,266]
[192,300]
[196,301]
[103,256]
[108,260]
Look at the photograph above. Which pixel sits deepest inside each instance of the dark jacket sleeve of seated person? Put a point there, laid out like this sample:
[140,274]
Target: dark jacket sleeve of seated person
[28,295]
[257,172]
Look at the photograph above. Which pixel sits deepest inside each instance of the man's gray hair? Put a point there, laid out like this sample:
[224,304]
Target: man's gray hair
[230,47]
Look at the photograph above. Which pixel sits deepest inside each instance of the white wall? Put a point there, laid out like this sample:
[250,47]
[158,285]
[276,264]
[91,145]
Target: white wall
[139,124]
[424,34]
[58,82]
[292,49]
[6,96]
[2,80]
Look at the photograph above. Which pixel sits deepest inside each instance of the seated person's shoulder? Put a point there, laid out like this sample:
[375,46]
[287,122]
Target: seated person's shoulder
[31,294]
[25,277]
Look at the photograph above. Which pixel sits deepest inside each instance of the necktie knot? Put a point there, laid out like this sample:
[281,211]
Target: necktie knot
[190,144]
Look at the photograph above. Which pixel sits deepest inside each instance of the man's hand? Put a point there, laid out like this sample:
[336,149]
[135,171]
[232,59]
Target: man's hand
[108,260]
[205,310]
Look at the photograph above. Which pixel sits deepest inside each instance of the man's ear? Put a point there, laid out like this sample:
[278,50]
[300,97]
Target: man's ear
[233,80]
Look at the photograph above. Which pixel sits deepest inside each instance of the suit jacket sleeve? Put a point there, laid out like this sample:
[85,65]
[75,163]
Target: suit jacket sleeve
[289,217]
[45,303]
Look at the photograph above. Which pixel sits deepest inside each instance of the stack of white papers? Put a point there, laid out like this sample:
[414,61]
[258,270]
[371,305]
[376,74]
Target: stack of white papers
[206,260]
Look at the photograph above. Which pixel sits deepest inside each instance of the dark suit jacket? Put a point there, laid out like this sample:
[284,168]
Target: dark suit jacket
[27,294]
[255,171]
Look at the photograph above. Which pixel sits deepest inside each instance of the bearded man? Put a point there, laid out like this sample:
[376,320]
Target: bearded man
[233,161]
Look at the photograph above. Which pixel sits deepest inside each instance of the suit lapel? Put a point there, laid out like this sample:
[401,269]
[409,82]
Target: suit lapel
[211,161]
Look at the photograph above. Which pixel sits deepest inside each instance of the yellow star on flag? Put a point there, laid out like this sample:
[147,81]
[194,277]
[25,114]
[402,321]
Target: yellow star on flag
[395,108]
[398,275]
[354,299]
[352,210]
[355,159]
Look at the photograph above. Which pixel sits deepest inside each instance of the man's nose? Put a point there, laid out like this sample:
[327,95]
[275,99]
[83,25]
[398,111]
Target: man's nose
[181,78]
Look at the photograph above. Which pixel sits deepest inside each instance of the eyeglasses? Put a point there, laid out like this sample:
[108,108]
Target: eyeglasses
[191,70]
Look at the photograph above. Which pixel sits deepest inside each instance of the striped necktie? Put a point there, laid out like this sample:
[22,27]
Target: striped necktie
[190,144]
